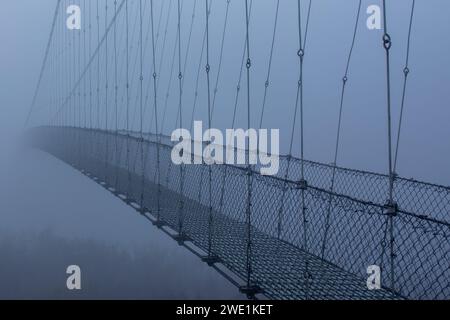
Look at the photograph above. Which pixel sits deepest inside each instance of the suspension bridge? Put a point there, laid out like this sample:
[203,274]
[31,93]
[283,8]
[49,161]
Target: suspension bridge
[308,232]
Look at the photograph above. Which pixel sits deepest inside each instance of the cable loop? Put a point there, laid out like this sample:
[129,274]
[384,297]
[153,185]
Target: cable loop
[406,71]
[387,43]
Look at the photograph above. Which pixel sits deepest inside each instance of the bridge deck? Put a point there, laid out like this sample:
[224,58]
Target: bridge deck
[286,255]
[277,266]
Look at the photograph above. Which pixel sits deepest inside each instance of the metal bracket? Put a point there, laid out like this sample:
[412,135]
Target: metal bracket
[181,238]
[211,259]
[251,291]
[302,184]
[391,209]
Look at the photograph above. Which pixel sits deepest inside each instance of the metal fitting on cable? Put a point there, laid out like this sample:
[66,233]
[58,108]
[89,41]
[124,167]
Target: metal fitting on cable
[406,71]
[302,184]
[391,209]
[387,43]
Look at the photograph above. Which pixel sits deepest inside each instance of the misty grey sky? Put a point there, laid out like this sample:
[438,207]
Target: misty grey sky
[425,151]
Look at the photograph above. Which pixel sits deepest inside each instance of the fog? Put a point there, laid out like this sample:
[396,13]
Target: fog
[52,216]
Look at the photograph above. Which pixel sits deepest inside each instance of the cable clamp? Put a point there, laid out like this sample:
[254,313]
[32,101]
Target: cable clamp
[302,184]
[387,43]
[391,209]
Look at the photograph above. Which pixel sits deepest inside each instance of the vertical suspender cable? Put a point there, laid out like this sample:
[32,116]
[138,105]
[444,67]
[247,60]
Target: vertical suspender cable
[180,77]
[84,78]
[128,99]
[106,93]
[194,106]
[219,66]
[90,71]
[236,100]
[33,102]
[303,182]
[106,70]
[79,75]
[250,288]
[155,105]
[98,67]
[391,207]
[208,68]
[79,98]
[116,111]
[269,69]
[200,189]
[169,85]
[406,72]
[338,135]
[188,46]
[141,106]
[74,74]
[147,95]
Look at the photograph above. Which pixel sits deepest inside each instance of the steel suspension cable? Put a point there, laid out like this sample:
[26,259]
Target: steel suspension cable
[155,89]
[236,100]
[98,66]
[127,99]
[391,207]
[106,93]
[134,64]
[44,63]
[79,74]
[184,70]
[338,134]
[180,87]
[169,85]
[269,69]
[91,60]
[147,95]
[406,72]
[250,288]
[188,49]
[207,69]
[298,103]
[219,66]
[141,106]
[90,71]
[84,78]
[197,83]
[155,104]
[106,70]
[116,89]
